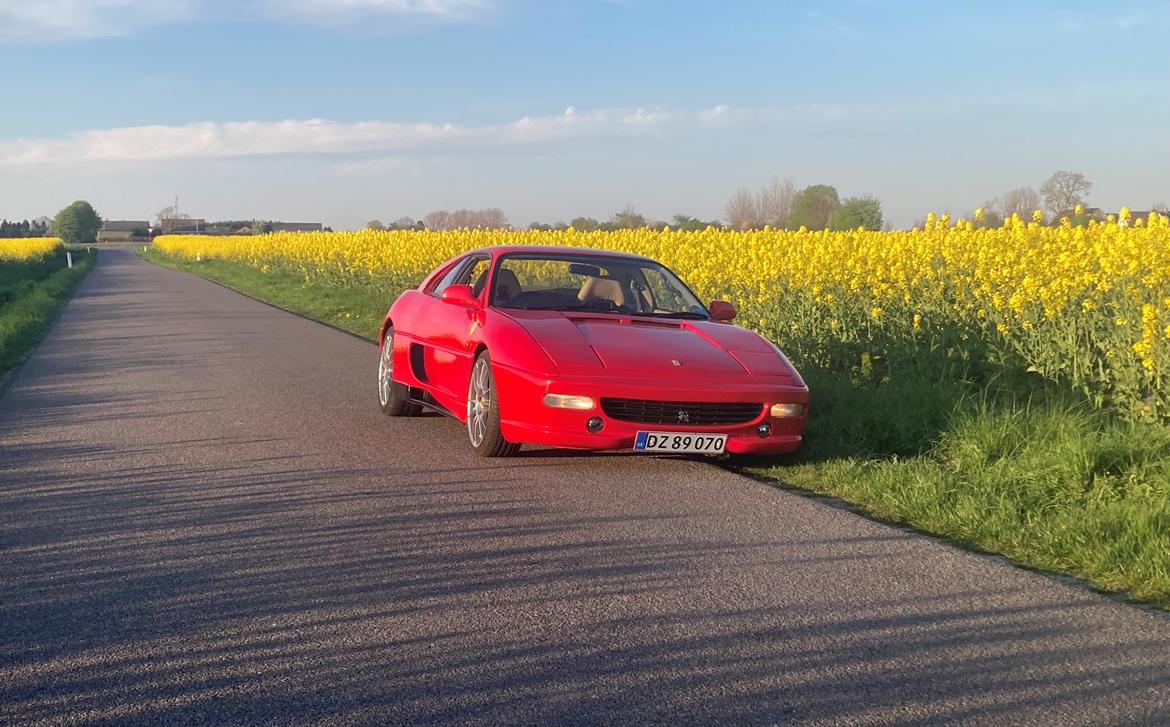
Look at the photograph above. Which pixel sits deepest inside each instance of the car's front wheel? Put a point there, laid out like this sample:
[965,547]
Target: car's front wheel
[393,397]
[483,412]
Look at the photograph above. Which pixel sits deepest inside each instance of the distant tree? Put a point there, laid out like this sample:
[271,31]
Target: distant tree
[78,223]
[375,224]
[165,219]
[743,212]
[812,207]
[262,227]
[1160,208]
[438,220]
[464,219]
[585,224]
[492,218]
[540,227]
[992,215]
[1063,191]
[627,219]
[774,203]
[857,212]
[403,223]
[1022,201]
[692,224]
[770,206]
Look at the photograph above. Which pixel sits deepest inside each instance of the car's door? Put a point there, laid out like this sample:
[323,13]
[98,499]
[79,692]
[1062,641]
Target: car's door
[450,330]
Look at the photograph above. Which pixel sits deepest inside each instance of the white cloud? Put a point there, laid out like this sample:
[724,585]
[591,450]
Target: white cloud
[36,20]
[208,140]
[370,14]
[33,21]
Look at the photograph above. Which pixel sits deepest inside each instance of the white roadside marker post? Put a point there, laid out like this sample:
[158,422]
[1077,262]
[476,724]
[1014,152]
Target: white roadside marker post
[69,259]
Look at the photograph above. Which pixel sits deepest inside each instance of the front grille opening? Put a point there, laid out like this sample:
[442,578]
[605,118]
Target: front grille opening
[687,413]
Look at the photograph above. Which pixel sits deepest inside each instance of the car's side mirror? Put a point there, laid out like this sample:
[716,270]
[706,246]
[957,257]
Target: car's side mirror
[459,295]
[721,310]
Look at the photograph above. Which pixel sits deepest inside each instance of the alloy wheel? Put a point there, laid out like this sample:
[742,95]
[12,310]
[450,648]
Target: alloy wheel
[479,402]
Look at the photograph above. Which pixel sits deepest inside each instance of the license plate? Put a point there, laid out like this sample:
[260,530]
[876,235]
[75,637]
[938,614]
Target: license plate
[680,443]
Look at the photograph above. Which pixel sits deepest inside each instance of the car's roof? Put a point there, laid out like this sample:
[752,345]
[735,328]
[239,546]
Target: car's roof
[557,250]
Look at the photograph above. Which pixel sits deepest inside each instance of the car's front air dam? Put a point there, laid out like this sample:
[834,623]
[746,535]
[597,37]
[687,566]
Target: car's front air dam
[525,418]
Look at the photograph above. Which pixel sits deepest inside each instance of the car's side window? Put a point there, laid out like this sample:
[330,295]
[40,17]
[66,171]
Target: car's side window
[462,273]
[477,274]
[447,279]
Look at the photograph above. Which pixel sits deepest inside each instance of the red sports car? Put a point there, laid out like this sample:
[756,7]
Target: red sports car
[585,349]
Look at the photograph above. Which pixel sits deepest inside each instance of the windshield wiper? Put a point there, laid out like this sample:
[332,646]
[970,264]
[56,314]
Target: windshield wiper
[689,315]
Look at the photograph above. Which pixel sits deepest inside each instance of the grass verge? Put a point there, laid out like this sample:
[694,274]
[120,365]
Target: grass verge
[1015,467]
[1031,473]
[356,310]
[31,295]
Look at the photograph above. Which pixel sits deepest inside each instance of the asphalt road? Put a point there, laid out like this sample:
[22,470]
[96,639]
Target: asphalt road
[204,519]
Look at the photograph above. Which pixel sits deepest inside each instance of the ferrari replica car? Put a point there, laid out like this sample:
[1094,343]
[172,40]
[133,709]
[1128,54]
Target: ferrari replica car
[584,349]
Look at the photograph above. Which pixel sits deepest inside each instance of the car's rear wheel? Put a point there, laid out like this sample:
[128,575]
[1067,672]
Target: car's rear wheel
[393,397]
[483,412]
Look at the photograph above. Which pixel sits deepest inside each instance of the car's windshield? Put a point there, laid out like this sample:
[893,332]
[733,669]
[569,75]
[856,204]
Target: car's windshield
[594,283]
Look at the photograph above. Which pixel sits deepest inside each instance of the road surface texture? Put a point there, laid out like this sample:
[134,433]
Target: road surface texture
[205,520]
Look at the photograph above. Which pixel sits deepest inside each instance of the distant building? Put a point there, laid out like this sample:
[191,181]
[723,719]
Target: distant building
[123,231]
[183,226]
[1100,215]
[295,226]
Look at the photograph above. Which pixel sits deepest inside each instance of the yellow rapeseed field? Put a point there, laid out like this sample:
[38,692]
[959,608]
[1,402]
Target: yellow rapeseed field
[1088,307]
[20,249]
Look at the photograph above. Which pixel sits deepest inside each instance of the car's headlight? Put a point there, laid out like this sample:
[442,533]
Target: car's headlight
[786,411]
[565,401]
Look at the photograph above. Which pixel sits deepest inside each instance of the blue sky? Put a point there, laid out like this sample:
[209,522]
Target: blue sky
[345,110]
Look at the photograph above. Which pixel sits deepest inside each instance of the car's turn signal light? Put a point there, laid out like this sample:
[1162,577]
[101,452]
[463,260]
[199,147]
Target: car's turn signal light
[787,411]
[564,401]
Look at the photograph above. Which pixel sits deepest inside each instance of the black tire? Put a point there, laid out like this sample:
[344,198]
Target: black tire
[483,412]
[393,397]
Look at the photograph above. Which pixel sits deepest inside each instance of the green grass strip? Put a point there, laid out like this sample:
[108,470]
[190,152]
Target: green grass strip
[1026,471]
[31,295]
[357,310]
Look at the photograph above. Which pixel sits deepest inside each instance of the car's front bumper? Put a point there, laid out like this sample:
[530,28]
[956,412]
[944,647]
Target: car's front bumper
[525,417]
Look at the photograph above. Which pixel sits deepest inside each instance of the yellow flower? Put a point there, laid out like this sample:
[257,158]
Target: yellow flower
[27,249]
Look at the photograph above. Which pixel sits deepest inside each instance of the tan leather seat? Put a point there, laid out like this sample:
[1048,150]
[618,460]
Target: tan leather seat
[603,288]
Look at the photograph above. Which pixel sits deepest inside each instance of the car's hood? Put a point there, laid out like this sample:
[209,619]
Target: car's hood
[642,347]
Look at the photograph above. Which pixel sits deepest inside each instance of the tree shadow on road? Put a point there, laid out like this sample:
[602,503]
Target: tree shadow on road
[260,593]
